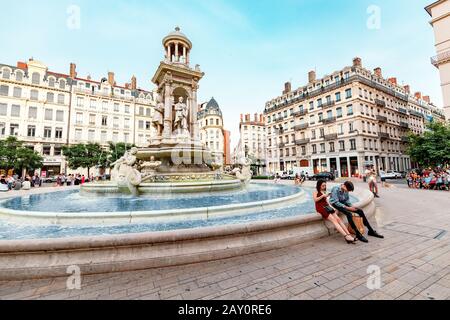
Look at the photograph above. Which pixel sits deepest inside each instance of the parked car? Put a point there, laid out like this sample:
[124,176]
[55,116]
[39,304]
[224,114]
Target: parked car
[327,176]
[390,174]
[48,180]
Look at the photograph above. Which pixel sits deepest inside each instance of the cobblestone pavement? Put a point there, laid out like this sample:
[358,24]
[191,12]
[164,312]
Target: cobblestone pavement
[414,260]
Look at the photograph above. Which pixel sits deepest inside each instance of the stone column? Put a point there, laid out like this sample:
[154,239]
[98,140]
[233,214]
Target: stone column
[169,52]
[349,168]
[184,54]
[177,55]
[194,121]
[338,166]
[167,133]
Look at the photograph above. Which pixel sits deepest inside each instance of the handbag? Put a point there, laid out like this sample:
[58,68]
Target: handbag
[359,223]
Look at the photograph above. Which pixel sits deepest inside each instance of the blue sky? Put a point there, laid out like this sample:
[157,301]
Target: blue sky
[247,48]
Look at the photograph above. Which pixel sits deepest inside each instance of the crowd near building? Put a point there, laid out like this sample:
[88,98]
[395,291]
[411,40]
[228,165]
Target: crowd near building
[252,142]
[439,11]
[48,110]
[345,121]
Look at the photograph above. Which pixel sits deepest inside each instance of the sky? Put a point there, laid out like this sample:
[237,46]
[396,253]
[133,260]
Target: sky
[248,49]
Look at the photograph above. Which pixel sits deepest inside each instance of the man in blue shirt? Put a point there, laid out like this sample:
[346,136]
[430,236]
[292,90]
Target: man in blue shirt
[340,200]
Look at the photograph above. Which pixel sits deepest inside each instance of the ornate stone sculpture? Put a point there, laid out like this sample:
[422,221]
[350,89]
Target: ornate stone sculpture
[124,172]
[244,174]
[158,117]
[181,114]
[148,169]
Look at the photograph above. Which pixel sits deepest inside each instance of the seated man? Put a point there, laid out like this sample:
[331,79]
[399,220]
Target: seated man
[340,201]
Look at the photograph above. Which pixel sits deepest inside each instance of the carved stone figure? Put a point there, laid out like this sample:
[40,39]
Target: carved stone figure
[244,174]
[158,117]
[148,169]
[125,174]
[181,114]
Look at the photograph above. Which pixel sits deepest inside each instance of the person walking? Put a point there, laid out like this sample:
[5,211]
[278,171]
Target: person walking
[340,200]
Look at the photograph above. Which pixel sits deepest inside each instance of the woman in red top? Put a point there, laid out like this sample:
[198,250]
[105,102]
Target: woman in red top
[328,213]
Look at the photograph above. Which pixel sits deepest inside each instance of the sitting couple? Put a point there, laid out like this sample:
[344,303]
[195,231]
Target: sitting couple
[339,200]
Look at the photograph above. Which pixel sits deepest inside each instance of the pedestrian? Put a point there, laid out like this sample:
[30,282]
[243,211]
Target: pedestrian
[83,179]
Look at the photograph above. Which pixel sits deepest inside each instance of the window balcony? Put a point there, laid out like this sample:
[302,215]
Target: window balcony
[301,127]
[382,119]
[329,104]
[440,59]
[331,136]
[329,120]
[380,103]
[405,139]
[384,136]
[300,142]
[300,113]
[403,111]
[404,125]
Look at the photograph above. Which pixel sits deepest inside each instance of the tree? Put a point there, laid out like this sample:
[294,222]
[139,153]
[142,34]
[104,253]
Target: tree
[117,150]
[433,147]
[85,156]
[13,155]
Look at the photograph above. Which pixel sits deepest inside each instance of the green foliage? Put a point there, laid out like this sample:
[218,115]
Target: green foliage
[116,151]
[433,147]
[13,155]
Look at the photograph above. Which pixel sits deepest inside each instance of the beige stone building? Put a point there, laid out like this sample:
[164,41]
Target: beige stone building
[440,14]
[253,141]
[212,132]
[48,110]
[345,121]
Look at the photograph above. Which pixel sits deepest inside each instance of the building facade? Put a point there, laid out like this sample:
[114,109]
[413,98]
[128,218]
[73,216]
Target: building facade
[48,110]
[253,141]
[212,132]
[345,121]
[440,14]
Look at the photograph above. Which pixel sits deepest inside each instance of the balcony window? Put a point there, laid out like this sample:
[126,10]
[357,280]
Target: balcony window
[34,95]
[17,92]
[15,110]
[35,78]
[48,114]
[59,115]
[31,132]
[4,90]
[348,93]
[339,112]
[50,97]
[349,110]
[47,132]
[3,109]
[58,133]
[61,99]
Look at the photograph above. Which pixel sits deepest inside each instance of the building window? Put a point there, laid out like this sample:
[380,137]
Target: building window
[104,121]
[116,107]
[78,134]
[61,99]
[314,149]
[313,134]
[17,93]
[105,106]
[148,112]
[32,113]
[31,131]
[349,110]
[339,112]
[80,102]
[116,122]
[34,95]
[57,151]
[104,136]
[127,108]
[19,76]
[15,110]
[341,145]
[79,118]
[93,104]
[2,128]
[48,114]
[348,93]
[141,111]
[115,137]
[350,126]
[91,135]
[46,150]
[332,147]
[47,132]
[3,109]
[50,97]
[338,96]
[92,119]
[311,105]
[58,133]
[141,124]
[62,84]
[35,78]
[59,115]
[13,129]
[322,147]
[127,123]
[4,90]
[352,144]
[51,82]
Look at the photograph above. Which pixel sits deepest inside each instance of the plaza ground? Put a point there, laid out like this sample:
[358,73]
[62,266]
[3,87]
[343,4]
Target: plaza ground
[414,260]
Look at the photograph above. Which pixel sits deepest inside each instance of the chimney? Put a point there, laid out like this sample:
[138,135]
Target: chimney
[73,70]
[418,95]
[261,118]
[256,117]
[393,81]
[22,65]
[247,118]
[426,99]
[407,89]
[111,78]
[287,87]
[89,77]
[127,86]
[311,76]
[357,62]
[242,117]
[378,72]
[133,83]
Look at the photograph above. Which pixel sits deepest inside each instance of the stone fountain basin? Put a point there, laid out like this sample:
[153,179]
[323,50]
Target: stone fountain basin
[119,218]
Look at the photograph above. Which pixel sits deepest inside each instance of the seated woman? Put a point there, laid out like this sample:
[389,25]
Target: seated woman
[329,213]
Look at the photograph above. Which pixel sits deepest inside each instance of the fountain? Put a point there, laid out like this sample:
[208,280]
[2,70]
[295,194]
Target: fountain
[167,204]
[175,160]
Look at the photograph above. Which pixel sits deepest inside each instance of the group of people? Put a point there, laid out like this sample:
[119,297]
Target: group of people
[329,204]
[429,179]
[14,182]
[72,180]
